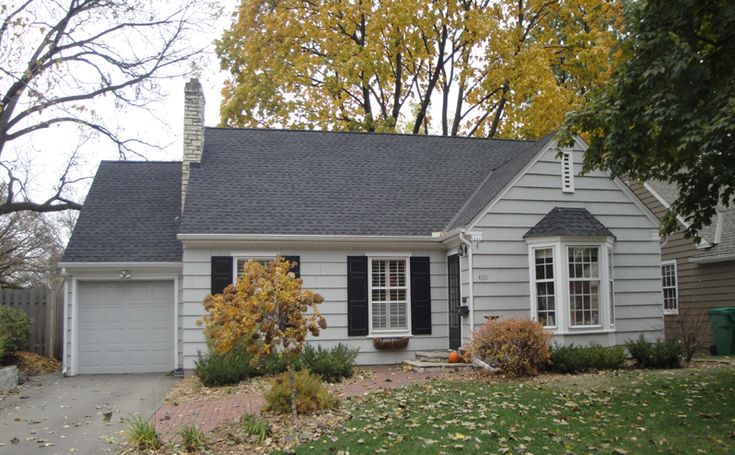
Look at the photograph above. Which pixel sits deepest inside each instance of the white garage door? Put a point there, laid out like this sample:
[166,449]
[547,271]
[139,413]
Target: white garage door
[125,327]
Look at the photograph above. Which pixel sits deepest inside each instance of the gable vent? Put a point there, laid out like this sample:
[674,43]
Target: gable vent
[567,172]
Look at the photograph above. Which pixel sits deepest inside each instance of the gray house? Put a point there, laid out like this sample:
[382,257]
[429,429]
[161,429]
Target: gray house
[405,236]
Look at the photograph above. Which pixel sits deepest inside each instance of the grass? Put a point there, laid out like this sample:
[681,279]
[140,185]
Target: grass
[192,438]
[663,411]
[141,433]
[255,426]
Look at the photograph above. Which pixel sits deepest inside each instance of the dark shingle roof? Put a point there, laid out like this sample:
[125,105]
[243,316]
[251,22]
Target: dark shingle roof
[253,181]
[568,221]
[131,214]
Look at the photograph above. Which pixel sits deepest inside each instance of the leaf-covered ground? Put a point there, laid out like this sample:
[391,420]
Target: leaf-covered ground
[671,411]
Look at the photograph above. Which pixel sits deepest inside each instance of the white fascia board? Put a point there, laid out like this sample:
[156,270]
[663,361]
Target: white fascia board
[552,143]
[312,238]
[128,265]
[713,259]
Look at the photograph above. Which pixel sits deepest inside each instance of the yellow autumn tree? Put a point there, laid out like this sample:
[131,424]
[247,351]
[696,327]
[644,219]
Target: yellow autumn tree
[267,311]
[468,67]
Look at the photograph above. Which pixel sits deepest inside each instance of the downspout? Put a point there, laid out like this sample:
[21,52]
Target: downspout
[471,297]
[66,318]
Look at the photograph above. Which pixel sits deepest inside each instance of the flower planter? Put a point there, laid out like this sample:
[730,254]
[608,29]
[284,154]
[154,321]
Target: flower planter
[390,344]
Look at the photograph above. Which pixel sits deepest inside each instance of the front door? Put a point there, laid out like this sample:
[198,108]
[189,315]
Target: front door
[455,334]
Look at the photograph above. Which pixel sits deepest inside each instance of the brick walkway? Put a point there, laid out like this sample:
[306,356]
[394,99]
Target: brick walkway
[207,414]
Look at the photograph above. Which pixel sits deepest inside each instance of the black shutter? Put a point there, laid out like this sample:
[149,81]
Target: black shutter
[357,295]
[420,296]
[221,273]
[297,268]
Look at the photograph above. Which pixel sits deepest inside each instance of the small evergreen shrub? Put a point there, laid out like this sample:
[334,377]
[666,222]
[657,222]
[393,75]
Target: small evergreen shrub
[141,433]
[518,347]
[272,365]
[311,395]
[582,359]
[192,438]
[330,364]
[660,354]
[15,325]
[253,425]
[216,369]
[3,348]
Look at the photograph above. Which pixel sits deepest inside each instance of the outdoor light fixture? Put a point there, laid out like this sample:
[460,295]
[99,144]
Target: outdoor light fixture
[125,274]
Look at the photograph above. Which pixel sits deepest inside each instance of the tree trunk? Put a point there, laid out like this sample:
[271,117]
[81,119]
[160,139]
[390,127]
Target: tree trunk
[292,383]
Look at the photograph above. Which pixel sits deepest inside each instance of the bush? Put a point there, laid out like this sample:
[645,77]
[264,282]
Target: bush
[141,434]
[3,347]
[330,364]
[272,365]
[16,326]
[661,354]
[311,395]
[516,347]
[581,359]
[215,369]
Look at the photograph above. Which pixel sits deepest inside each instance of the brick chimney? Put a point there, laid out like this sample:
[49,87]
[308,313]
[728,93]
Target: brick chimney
[193,131]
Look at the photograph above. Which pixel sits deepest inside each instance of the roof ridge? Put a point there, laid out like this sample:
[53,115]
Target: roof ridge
[371,133]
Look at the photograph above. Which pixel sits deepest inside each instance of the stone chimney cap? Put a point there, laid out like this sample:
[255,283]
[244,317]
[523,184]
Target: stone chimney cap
[193,85]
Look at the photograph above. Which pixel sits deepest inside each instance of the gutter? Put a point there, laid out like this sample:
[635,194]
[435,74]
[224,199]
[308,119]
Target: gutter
[471,297]
[713,259]
[307,237]
[66,319]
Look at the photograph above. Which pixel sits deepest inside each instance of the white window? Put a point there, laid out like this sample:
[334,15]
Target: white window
[670,289]
[567,172]
[389,295]
[544,278]
[241,261]
[584,286]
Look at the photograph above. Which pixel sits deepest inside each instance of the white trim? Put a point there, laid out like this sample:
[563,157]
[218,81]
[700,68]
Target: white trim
[532,282]
[600,289]
[389,333]
[675,287]
[703,244]
[718,228]
[327,237]
[388,254]
[137,265]
[66,368]
[176,323]
[74,327]
[713,259]
[610,262]
[470,282]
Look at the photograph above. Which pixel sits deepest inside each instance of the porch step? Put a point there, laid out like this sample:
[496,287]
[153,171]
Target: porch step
[427,367]
[432,356]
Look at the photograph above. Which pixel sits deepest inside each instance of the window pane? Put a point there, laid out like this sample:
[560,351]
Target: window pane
[379,295]
[668,282]
[379,315]
[584,286]
[378,273]
[389,294]
[545,303]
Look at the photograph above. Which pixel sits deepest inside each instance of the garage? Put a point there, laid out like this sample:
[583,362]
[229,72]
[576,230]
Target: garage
[125,326]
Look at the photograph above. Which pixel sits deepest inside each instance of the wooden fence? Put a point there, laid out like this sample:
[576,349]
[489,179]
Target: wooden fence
[46,310]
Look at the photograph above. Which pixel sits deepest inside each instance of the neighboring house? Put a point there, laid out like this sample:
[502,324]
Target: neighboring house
[696,276]
[405,236]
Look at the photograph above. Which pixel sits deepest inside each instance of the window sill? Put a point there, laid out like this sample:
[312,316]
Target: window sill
[390,335]
[585,332]
[671,312]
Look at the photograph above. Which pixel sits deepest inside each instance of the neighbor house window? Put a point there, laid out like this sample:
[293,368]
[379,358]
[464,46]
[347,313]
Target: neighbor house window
[669,284]
[584,286]
[241,261]
[389,295]
[545,295]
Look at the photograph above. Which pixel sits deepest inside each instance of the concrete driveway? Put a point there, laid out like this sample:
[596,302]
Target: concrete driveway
[52,414]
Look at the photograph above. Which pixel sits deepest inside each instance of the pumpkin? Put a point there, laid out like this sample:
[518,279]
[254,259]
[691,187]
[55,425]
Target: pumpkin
[454,357]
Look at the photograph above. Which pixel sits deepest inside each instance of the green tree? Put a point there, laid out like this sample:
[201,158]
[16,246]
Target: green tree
[668,112]
[468,67]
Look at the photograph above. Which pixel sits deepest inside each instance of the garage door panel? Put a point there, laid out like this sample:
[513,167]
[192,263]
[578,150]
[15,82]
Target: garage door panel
[126,327]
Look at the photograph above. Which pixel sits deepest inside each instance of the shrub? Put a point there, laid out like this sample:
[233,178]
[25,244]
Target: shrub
[3,347]
[517,347]
[16,326]
[141,433]
[192,438]
[661,354]
[255,426]
[272,365]
[215,369]
[581,359]
[311,395]
[330,364]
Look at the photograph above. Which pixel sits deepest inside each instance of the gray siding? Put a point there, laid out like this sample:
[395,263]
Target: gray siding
[501,274]
[325,272]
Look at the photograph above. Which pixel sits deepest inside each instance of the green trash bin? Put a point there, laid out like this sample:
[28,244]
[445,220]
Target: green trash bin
[722,321]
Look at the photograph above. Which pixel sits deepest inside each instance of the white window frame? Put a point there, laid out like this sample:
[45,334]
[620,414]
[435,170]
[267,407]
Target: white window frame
[382,332]
[611,283]
[601,300]
[560,246]
[236,259]
[675,287]
[535,281]
[567,171]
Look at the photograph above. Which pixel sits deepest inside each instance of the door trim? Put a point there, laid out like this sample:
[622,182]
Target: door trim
[458,288]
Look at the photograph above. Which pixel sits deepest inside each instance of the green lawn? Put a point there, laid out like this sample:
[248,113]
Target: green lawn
[670,411]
